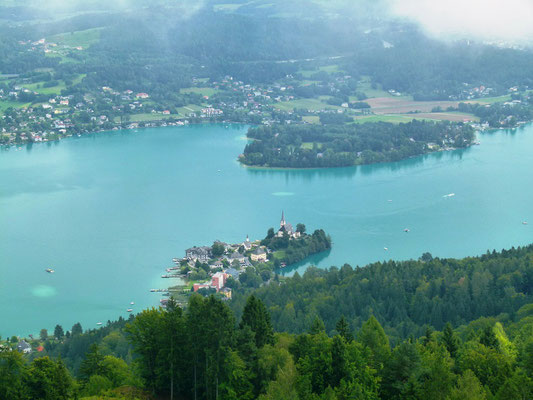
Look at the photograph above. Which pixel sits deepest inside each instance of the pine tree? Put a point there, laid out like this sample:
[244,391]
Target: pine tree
[343,328]
[92,364]
[76,329]
[449,340]
[256,316]
[338,361]
[429,335]
[373,336]
[488,338]
[58,332]
[317,326]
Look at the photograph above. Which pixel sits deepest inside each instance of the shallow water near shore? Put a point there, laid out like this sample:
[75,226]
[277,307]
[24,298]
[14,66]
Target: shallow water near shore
[109,211]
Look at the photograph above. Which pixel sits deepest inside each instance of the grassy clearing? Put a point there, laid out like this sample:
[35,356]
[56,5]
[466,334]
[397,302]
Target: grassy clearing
[309,145]
[201,91]
[146,117]
[447,116]
[38,86]
[5,104]
[306,82]
[330,69]
[491,100]
[311,119]
[189,108]
[82,39]
[307,104]
[395,119]
[365,86]
[280,254]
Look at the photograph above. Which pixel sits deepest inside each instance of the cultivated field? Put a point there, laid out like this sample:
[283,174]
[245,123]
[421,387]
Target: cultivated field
[398,105]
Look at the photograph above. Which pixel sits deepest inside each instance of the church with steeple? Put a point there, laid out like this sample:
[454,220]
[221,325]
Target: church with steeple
[284,226]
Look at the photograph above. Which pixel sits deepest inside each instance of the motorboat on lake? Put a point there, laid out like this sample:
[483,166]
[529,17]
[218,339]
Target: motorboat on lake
[50,270]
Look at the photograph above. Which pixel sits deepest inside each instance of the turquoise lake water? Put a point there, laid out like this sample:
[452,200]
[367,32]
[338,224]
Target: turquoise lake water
[109,211]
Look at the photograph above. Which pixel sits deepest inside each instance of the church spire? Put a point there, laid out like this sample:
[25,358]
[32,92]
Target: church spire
[282,223]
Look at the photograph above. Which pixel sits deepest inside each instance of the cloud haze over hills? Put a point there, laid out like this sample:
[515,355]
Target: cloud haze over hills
[488,20]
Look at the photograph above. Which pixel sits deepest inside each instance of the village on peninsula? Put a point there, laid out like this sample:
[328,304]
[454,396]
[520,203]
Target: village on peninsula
[220,268]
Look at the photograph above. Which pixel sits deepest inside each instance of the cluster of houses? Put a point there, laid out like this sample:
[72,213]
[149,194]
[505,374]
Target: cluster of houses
[234,259]
[22,346]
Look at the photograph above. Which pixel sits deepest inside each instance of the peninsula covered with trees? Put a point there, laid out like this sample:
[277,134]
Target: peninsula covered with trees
[223,267]
[315,146]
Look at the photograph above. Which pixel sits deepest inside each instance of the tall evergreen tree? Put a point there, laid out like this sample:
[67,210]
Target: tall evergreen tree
[256,316]
[317,326]
[58,332]
[449,340]
[92,364]
[373,336]
[344,330]
[76,329]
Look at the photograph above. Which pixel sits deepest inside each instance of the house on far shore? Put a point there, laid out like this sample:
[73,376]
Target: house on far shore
[226,292]
[236,256]
[201,254]
[198,286]
[233,273]
[24,347]
[259,255]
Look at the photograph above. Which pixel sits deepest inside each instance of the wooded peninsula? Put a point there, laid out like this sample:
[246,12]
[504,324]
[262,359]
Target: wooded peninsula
[317,146]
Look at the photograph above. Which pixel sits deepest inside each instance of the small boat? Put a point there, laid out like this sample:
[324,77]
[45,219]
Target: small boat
[50,270]
[406,230]
[98,323]
[524,222]
[390,201]
[129,310]
[385,248]
[165,276]
[132,303]
[449,195]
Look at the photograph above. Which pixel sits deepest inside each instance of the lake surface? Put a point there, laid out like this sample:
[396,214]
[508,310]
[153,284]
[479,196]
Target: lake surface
[109,211]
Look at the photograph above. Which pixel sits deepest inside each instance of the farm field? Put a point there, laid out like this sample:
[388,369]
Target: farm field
[189,108]
[398,105]
[395,119]
[447,116]
[82,39]
[201,91]
[365,86]
[307,104]
[146,117]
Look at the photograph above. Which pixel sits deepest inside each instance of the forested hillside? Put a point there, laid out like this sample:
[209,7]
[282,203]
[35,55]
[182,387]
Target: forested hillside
[325,340]
[405,296]
[202,352]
